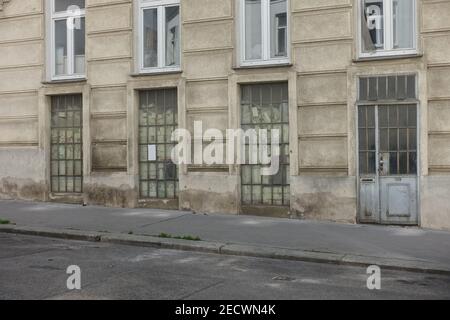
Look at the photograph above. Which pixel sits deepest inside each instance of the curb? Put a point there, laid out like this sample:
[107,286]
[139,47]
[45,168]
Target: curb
[232,249]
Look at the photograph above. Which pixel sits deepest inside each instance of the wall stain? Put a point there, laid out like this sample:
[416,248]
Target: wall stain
[324,206]
[122,197]
[26,189]
[207,201]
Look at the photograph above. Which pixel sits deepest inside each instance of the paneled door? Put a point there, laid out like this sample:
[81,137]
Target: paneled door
[387,142]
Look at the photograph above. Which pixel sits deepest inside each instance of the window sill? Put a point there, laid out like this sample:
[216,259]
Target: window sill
[62,81]
[388,57]
[155,73]
[264,66]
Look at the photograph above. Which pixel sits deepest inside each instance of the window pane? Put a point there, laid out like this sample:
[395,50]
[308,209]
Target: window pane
[372,21]
[60,47]
[150,38]
[253,32]
[403,22]
[172,36]
[64,5]
[278,28]
[412,162]
[79,47]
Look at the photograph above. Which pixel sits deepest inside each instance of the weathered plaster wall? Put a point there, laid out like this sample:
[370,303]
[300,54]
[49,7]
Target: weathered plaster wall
[22,173]
[435,185]
[22,161]
[209,192]
[324,198]
[322,89]
[435,202]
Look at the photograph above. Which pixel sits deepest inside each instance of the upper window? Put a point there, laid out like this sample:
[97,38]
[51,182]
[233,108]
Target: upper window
[388,27]
[159,38]
[67,38]
[264,32]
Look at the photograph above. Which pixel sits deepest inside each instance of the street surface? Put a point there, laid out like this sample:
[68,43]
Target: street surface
[35,268]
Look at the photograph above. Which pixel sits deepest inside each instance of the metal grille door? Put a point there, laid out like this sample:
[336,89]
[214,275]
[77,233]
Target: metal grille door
[388,163]
[266,106]
[388,149]
[66,144]
[158,118]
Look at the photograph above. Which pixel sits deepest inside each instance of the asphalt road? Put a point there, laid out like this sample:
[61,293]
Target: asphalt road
[35,268]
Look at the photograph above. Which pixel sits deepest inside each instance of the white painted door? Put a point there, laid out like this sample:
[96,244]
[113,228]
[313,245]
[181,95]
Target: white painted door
[387,136]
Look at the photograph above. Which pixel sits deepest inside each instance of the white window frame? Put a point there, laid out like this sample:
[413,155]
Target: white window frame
[265,41]
[161,6]
[388,50]
[64,15]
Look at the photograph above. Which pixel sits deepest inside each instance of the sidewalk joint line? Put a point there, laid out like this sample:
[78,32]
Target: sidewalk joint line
[162,221]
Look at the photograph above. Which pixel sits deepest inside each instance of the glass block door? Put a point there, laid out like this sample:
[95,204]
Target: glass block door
[66,144]
[158,118]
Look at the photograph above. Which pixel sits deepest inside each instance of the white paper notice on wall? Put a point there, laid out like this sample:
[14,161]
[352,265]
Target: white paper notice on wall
[151,152]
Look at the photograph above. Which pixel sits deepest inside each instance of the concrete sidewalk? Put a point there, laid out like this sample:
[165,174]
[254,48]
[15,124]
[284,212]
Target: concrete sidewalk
[412,248]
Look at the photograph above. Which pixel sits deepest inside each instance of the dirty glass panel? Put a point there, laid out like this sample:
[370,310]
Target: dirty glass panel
[363,89]
[256,194]
[267,195]
[253,30]
[277,196]
[158,119]
[79,35]
[383,116]
[398,143]
[170,189]
[393,119]
[393,164]
[393,139]
[403,24]
[412,163]
[64,5]
[172,36]
[61,47]
[403,163]
[392,87]
[286,195]
[372,26]
[152,191]
[367,140]
[373,88]
[66,144]
[411,87]
[403,117]
[278,28]
[150,35]
[246,194]
[412,116]
[403,139]
[412,139]
[382,88]
[401,87]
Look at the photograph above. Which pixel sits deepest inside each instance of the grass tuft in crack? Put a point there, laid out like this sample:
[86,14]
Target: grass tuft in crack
[169,236]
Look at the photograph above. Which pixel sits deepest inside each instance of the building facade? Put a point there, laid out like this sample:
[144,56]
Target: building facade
[91,90]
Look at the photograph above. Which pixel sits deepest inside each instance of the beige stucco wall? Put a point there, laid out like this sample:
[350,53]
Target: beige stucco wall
[322,88]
